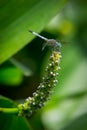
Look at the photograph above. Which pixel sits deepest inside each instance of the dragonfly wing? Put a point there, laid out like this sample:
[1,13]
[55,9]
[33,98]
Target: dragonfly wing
[44,45]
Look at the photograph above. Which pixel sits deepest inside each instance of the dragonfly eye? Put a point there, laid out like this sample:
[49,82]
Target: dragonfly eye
[59,44]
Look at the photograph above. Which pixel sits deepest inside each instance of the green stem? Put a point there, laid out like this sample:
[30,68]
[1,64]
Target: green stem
[9,110]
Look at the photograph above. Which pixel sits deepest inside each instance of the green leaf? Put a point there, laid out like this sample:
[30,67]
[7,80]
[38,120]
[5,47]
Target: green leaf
[11,122]
[10,76]
[17,17]
[79,123]
[24,69]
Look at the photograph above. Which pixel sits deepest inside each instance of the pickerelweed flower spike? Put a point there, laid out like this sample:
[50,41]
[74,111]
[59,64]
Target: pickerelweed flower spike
[49,80]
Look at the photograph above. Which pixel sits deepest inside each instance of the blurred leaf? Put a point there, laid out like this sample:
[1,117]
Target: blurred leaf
[73,73]
[10,76]
[23,68]
[79,123]
[17,17]
[64,113]
[11,122]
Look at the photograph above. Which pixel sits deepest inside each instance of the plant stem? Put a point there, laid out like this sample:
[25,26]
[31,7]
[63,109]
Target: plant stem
[9,110]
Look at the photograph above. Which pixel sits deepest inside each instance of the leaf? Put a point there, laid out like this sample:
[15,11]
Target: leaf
[79,123]
[11,122]
[24,69]
[10,76]
[16,18]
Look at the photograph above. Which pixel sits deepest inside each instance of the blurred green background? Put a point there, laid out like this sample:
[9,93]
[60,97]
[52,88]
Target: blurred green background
[21,73]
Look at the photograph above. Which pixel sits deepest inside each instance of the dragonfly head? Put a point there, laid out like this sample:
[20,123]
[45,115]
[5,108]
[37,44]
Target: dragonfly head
[54,45]
[59,44]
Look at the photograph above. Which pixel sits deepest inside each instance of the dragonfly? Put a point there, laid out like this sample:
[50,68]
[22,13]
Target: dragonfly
[52,43]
